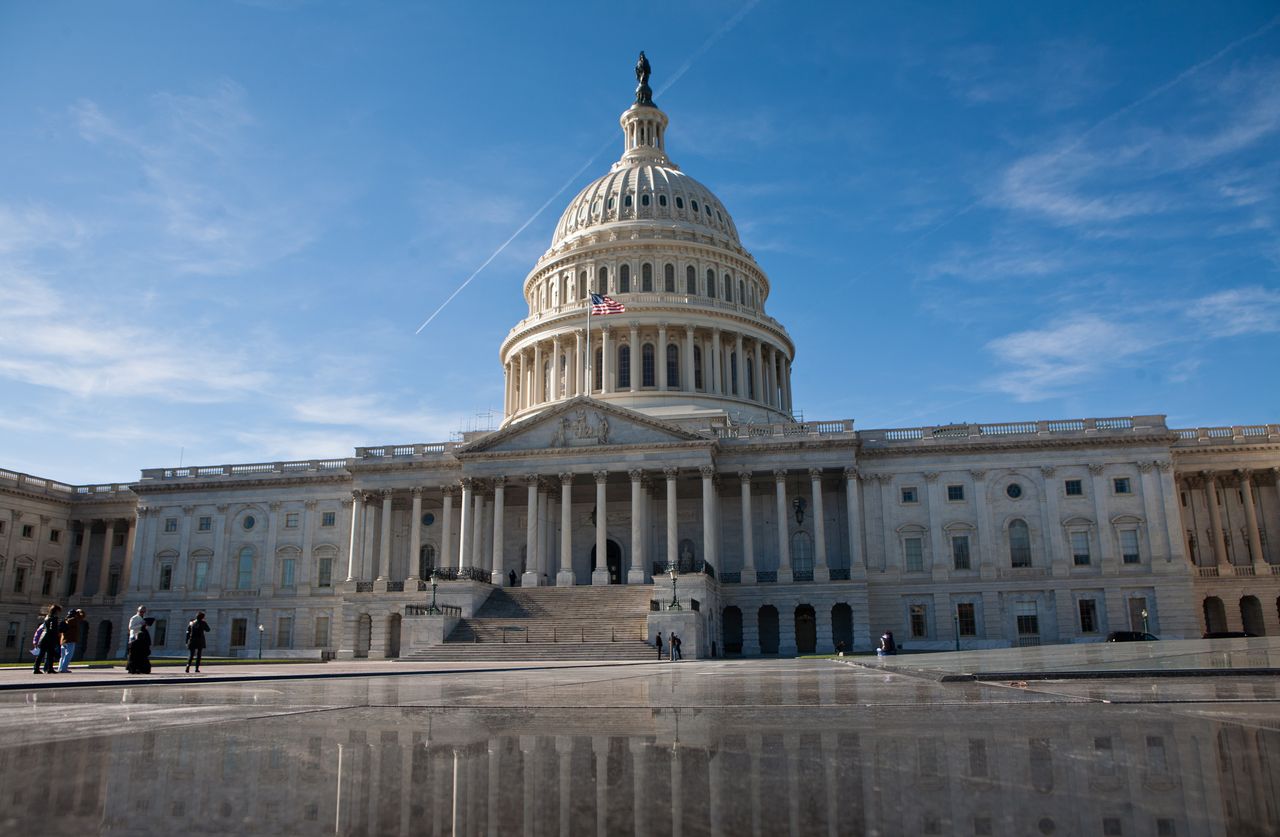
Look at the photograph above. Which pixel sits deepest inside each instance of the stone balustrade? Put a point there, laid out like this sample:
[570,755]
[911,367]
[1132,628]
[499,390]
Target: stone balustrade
[63,491]
[951,433]
[245,470]
[1249,434]
[785,430]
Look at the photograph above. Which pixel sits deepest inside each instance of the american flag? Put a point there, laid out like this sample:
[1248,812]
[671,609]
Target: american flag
[601,304]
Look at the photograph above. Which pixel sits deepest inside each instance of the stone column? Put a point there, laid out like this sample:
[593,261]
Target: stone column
[575,365]
[739,378]
[606,367]
[601,573]
[1251,521]
[530,576]
[104,571]
[708,515]
[1215,518]
[522,381]
[758,373]
[821,572]
[384,546]
[635,356]
[672,541]
[497,574]
[853,514]
[539,388]
[688,360]
[717,375]
[180,568]
[935,558]
[660,356]
[465,525]
[566,577]
[786,385]
[556,382]
[477,559]
[984,549]
[84,557]
[446,526]
[748,533]
[1054,535]
[415,539]
[635,571]
[546,534]
[784,545]
[640,803]
[1098,485]
[130,543]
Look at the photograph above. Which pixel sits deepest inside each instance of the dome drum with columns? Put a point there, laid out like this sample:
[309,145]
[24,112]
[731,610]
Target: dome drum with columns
[694,346]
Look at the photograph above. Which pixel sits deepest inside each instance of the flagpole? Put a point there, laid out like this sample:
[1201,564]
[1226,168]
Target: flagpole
[586,389]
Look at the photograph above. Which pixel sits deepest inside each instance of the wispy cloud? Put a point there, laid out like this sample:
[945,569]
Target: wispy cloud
[1238,311]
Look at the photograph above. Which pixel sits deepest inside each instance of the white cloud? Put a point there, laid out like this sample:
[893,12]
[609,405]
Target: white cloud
[27,228]
[1237,311]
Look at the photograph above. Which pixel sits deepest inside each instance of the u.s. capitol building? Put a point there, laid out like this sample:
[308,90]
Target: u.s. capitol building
[662,439]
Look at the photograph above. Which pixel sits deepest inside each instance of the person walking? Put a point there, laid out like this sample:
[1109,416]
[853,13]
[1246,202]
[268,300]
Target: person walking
[70,639]
[657,640]
[196,629]
[675,648]
[47,639]
[136,621]
[140,649]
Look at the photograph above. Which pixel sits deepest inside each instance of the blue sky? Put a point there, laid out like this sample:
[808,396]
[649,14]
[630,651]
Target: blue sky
[221,223]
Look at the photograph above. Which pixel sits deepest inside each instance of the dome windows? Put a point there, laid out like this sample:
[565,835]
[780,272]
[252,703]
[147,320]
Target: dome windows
[602,281]
[611,202]
[626,201]
[624,279]
[711,283]
[644,200]
[691,280]
[669,278]
[695,205]
[662,200]
[646,278]
[679,202]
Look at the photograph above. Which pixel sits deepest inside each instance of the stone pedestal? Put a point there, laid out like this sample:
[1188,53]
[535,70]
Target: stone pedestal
[635,576]
[600,577]
[565,578]
[529,580]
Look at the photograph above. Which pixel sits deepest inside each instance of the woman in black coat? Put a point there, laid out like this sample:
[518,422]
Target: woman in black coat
[140,649]
[50,641]
[196,629]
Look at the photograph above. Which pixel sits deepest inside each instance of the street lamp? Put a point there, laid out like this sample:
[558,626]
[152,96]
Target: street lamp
[955,619]
[1146,627]
[261,630]
[434,585]
[675,600]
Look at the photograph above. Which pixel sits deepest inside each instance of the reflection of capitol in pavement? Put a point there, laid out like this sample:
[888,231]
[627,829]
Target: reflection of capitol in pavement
[780,754]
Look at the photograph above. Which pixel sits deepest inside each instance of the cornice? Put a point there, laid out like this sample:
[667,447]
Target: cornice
[564,453]
[175,486]
[909,449]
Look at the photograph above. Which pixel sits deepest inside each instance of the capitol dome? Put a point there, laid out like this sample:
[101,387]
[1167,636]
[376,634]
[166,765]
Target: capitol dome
[685,337]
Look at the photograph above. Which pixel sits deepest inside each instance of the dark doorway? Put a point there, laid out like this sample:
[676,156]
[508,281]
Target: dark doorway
[104,641]
[842,627]
[768,617]
[1251,616]
[732,625]
[1215,615]
[613,560]
[393,636]
[806,630]
[364,633]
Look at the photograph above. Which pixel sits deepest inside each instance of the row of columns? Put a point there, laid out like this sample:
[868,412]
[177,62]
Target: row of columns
[1210,483]
[528,384]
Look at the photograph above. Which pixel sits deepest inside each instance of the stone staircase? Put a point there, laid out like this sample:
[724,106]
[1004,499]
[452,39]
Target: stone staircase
[551,623]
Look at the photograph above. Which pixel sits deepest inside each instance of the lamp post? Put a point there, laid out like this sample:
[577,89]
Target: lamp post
[261,630]
[1146,627]
[434,585]
[955,619]
[675,600]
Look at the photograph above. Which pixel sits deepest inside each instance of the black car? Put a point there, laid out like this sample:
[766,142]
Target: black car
[1131,636]
[1227,635]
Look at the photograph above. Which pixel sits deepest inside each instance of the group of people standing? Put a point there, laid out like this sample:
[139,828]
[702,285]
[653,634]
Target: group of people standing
[673,646]
[55,640]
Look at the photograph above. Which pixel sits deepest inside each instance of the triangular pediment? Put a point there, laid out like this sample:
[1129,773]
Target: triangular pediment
[581,424]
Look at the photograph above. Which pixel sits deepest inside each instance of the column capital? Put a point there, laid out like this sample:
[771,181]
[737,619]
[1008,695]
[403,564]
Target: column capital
[566,479]
[1243,474]
[1047,471]
[467,483]
[188,509]
[601,477]
[531,480]
[309,505]
[662,325]
[745,476]
[635,474]
[707,471]
[931,476]
[416,491]
[1146,467]
[780,474]
[346,504]
[1096,469]
[387,494]
[670,473]
[851,474]
[448,490]
[815,473]
[1164,465]
[499,482]
[356,496]
[1209,477]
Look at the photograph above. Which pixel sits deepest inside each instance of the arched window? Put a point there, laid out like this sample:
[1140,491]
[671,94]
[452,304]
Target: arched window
[673,366]
[751,377]
[733,372]
[679,202]
[1019,544]
[602,280]
[599,371]
[646,278]
[802,554]
[426,560]
[690,280]
[669,278]
[695,205]
[662,200]
[728,288]
[626,201]
[697,367]
[244,569]
[624,279]
[624,366]
[555,295]
[646,365]
[742,292]
[644,200]
[611,201]
[711,283]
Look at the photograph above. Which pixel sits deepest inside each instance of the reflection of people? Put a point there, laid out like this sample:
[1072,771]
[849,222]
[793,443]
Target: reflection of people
[196,629]
[887,646]
[140,649]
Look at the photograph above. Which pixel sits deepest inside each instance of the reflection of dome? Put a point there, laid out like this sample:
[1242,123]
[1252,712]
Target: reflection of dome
[645,192]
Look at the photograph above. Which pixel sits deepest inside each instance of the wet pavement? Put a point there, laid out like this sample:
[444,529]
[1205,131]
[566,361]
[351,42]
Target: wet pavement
[717,747]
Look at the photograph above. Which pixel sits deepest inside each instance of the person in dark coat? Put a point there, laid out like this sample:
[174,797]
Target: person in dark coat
[140,649]
[887,646]
[657,640]
[196,629]
[511,576]
[50,644]
[675,648]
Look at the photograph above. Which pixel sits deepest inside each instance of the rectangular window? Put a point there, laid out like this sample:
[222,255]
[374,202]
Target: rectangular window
[909,494]
[46,588]
[166,576]
[28,531]
[914,549]
[161,632]
[239,632]
[1074,488]
[1080,548]
[955,493]
[967,619]
[119,539]
[204,524]
[329,519]
[113,583]
[322,632]
[291,520]
[2,525]
[960,551]
[919,619]
[324,573]
[79,539]
[19,579]
[171,524]
[55,535]
[286,572]
[11,637]
[284,632]
[1129,546]
[1121,485]
[1088,616]
[1028,624]
[201,579]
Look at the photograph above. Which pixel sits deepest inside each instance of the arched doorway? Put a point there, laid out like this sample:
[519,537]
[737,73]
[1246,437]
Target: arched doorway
[806,630]
[103,651]
[732,621]
[364,633]
[426,560]
[393,636]
[613,560]
[842,627]
[1215,614]
[768,622]
[1251,615]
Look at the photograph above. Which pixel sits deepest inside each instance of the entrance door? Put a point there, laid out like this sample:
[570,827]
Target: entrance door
[613,561]
[104,640]
[806,630]
[1138,614]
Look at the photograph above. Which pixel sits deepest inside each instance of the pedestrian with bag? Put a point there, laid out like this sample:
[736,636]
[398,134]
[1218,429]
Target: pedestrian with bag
[196,629]
[46,641]
[70,639]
